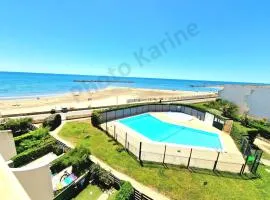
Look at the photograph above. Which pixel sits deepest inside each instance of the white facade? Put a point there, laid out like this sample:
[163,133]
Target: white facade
[252,99]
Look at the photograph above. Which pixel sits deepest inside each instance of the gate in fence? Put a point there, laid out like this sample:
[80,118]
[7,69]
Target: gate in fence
[252,154]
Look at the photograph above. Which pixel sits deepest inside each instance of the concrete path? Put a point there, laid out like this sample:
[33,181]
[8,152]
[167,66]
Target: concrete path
[138,186]
[265,162]
[104,196]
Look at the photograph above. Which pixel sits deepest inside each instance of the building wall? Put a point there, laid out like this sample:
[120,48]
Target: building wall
[37,181]
[10,187]
[7,145]
[252,99]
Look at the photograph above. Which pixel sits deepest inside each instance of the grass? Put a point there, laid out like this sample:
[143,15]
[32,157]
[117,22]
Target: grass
[176,183]
[266,156]
[92,192]
[238,131]
[113,196]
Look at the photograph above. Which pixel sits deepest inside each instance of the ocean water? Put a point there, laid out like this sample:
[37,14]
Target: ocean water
[22,85]
[160,131]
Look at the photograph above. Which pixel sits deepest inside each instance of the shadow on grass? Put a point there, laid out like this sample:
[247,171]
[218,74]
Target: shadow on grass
[202,171]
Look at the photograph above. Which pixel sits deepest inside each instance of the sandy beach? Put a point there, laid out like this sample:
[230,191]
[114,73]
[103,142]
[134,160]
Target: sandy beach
[109,96]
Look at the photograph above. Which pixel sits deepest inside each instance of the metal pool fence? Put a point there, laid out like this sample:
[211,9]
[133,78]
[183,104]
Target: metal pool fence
[148,151]
[176,155]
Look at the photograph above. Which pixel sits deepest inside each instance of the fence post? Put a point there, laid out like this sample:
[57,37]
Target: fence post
[189,158]
[255,161]
[106,124]
[114,130]
[126,142]
[128,146]
[140,151]
[244,167]
[215,165]
[164,154]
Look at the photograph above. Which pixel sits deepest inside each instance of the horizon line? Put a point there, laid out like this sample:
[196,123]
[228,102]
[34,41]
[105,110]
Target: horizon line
[73,74]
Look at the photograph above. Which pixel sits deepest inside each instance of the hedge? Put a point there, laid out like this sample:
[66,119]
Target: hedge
[52,122]
[33,135]
[17,126]
[126,192]
[34,153]
[95,119]
[78,158]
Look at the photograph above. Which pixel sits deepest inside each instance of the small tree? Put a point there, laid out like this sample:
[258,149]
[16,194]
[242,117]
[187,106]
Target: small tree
[105,179]
[245,121]
[52,122]
[95,118]
[230,110]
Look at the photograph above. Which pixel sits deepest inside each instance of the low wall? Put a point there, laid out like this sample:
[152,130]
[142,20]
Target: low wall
[7,145]
[37,181]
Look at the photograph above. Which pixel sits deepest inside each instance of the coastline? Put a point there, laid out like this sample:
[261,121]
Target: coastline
[103,97]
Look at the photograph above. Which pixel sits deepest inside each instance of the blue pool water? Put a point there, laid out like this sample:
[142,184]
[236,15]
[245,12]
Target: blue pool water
[160,131]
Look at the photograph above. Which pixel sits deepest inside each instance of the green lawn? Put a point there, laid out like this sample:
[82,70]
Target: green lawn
[91,192]
[176,183]
[113,196]
[266,156]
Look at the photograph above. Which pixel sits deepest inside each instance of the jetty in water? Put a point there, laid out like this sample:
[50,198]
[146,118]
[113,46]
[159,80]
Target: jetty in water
[102,81]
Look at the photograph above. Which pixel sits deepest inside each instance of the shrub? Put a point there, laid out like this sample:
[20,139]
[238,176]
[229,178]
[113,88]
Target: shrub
[105,179]
[95,118]
[230,110]
[245,121]
[126,192]
[53,111]
[78,158]
[252,134]
[33,135]
[101,177]
[52,122]
[34,153]
[17,126]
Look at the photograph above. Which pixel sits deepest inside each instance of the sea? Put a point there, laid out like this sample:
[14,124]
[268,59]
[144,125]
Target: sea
[15,85]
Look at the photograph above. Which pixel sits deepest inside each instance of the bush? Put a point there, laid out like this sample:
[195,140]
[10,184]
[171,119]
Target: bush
[78,158]
[245,121]
[126,192]
[17,126]
[230,110]
[34,153]
[52,122]
[95,118]
[33,135]
[101,177]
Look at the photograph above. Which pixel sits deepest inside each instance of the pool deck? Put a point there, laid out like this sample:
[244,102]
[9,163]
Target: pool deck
[227,142]
[230,153]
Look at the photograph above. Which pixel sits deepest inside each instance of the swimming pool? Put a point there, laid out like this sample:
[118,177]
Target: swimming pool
[160,131]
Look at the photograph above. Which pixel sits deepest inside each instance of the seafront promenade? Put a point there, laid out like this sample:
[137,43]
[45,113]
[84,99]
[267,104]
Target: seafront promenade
[85,112]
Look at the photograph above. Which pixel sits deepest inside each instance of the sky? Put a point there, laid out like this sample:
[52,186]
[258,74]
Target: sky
[223,40]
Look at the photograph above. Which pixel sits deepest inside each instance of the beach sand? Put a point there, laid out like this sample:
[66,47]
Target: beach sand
[109,96]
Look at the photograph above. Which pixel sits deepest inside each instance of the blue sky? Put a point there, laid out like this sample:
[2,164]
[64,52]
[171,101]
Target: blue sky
[90,37]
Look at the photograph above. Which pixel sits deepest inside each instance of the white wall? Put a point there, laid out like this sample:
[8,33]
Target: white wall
[252,99]
[7,145]
[37,181]
[209,119]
